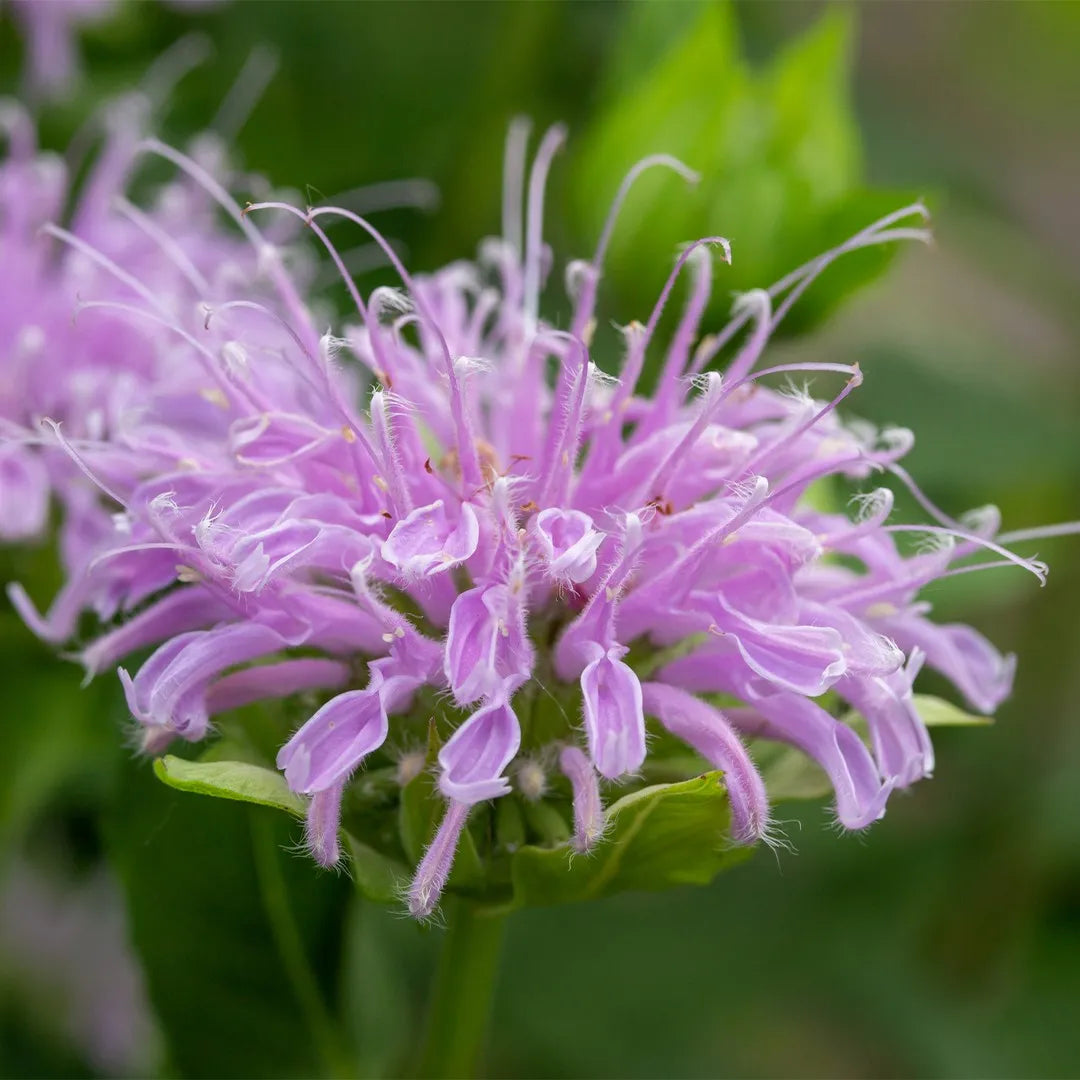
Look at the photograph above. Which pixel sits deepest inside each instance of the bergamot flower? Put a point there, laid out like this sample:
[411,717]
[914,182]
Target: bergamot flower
[444,521]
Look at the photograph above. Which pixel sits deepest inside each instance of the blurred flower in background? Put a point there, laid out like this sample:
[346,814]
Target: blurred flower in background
[50,31]
[64,945]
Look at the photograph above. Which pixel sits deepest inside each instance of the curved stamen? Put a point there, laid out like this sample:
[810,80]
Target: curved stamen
[127,549]
[169,67]
[246,91]
[414,193]
[679,349]
[586,301]
[80,462]
[170,248]
[517,143]
[803,276]
[552,141]
[268,255]
[608,436]
[788,438]
[1042,532]
[209,361]
[107,264]
[757,305]
[467,453]
[1032,566]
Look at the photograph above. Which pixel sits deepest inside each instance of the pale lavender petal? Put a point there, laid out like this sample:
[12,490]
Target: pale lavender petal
[860,792]
[865,651]
[588,809]
[434,869]
[983,675]
[704,728]
[805,659]
[569,543]
[24,493]
[59,623]
[901,742]
[327,749]
[177,613]
[269,681]
[323,822]
[175,696]
[428,542]
[474,759]
[487,649]
[614,717]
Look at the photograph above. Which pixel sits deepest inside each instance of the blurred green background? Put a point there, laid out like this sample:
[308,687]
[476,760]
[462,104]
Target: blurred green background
[945,942]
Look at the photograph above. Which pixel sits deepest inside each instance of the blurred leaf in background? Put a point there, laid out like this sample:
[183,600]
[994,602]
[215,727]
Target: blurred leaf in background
[777,147]
[240,940]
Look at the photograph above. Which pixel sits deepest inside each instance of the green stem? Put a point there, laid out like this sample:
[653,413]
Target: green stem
[463,992]
[290,946]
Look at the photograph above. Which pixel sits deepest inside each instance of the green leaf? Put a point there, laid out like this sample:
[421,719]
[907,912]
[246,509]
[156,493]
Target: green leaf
[60,742]
[418,817]
[815,137]
[230,780]
[778,151]
[937,712]
[418,810]
[207,886]
[670,834]
[788,773]
[378,877]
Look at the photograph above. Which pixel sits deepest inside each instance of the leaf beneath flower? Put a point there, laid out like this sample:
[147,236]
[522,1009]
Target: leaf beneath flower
[230,780]
[379,878]
[937,712]
[790,774]
[658,837]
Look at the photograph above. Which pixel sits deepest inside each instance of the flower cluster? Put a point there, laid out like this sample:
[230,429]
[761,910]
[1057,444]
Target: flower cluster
[449,509]
[98,335]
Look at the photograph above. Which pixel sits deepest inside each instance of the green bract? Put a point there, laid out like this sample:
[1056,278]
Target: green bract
[517,853]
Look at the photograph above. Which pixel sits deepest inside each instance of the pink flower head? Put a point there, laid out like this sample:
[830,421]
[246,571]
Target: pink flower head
[523,565]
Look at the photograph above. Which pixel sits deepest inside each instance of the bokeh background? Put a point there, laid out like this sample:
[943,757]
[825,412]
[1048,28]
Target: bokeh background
[138,933]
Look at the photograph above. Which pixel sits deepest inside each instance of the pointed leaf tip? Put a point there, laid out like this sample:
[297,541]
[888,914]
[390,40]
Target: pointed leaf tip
[237,780]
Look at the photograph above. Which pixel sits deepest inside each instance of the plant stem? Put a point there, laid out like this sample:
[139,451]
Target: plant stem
[291,949]
[463,991]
